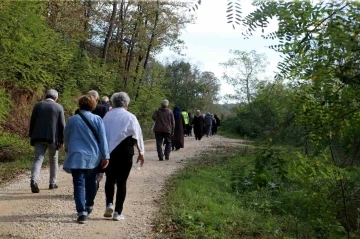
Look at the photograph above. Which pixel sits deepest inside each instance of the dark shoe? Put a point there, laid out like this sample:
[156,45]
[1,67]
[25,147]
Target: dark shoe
[166,158]
[82,219]
[34,187]
[53,186]
[161,159]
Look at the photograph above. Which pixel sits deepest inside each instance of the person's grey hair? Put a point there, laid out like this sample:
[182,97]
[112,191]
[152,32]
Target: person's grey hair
[165,103]
[53,94]
[120,99]
[104,99]
[94,94]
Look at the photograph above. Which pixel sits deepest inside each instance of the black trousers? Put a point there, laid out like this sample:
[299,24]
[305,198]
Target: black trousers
[117,173]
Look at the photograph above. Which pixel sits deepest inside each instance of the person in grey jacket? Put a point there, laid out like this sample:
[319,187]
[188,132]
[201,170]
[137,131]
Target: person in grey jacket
[46,132]
[163,128]
[208,123]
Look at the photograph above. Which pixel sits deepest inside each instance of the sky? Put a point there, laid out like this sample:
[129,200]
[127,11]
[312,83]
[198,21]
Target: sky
[210,38]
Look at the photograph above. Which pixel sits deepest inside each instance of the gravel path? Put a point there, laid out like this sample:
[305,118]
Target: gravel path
[51,213]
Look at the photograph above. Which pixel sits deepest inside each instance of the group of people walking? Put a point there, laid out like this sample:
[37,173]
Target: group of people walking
[171,127]
[97,139]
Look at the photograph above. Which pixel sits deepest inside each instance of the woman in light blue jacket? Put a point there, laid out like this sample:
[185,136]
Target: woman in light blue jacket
[86,147]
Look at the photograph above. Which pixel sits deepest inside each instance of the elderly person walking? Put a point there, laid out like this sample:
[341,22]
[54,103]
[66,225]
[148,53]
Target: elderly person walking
[123,132]
[208,123]
[46,129]
[198,123]
[86,147]
[163,129]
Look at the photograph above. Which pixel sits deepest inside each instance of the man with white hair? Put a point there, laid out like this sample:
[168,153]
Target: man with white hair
[163,128]
[46,129]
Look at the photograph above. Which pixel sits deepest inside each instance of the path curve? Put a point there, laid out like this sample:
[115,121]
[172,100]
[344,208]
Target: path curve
[51,213]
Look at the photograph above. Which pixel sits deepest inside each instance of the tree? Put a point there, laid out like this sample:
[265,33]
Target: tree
[243,72]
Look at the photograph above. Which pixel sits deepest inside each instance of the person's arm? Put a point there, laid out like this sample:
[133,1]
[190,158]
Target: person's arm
[154,116]
[172,118]
[61,126]
[139,142]
[67,131]
[32,121]
[104,148]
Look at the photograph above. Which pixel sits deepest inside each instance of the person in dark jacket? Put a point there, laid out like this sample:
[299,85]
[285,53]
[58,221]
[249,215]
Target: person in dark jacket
[100,109]
[163,128]
[177,140]
[216,124]
[198,123]
[46,132]
[105,102]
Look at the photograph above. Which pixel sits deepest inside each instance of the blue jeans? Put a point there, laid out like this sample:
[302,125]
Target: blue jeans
[84,181]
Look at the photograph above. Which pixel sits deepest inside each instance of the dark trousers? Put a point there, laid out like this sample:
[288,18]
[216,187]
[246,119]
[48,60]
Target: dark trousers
[117,173]
[160,138]
[84,181]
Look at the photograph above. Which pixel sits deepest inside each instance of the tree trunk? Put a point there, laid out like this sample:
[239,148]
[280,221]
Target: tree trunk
[149,48]
[110,32]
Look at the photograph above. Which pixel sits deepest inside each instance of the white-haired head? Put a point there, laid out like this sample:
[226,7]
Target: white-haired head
[94,94]
[165,104]
[52,94]
[105,100]
[120,99]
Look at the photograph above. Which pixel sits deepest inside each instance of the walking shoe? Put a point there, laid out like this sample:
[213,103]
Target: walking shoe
[118,217]
[167,158]
[82,219]
[34,187]
[161,158]
[109,210]
[53,186]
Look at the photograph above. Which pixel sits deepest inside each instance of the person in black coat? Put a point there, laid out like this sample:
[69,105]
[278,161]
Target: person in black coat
[198,123]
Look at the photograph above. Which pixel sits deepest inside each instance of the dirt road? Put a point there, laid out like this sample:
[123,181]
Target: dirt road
[51,213]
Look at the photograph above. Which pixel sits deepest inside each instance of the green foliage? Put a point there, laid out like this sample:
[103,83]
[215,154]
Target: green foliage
[5,104]
[190,88]
[276,194]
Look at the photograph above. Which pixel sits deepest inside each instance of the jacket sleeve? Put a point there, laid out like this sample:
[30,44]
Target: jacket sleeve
[61,126]
[172,123]
[104,148]
[154,116]
[32,121]
[67,131]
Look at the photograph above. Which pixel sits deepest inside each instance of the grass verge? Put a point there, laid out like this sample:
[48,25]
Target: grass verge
[205,200]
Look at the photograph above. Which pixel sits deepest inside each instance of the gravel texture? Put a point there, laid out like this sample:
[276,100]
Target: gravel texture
[51,213]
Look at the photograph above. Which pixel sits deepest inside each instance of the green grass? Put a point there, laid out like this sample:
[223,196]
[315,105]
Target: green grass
[229,134]
[202,201]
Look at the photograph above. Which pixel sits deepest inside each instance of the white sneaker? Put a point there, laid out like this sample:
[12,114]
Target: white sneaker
[109,210]
[118,217]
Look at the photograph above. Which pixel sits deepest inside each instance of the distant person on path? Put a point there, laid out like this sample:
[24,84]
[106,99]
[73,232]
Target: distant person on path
[46,129]
[198,123]
[86,147]
[216,125]
[208,123]
[105,102]
[123,132]
[190,124]
[177,140]
[163,129]
[186,119]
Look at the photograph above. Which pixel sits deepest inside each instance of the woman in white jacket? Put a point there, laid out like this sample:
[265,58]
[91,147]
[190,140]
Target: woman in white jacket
[123,132]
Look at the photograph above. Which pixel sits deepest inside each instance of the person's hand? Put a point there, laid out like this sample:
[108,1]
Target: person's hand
[104,163]
[140,159]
